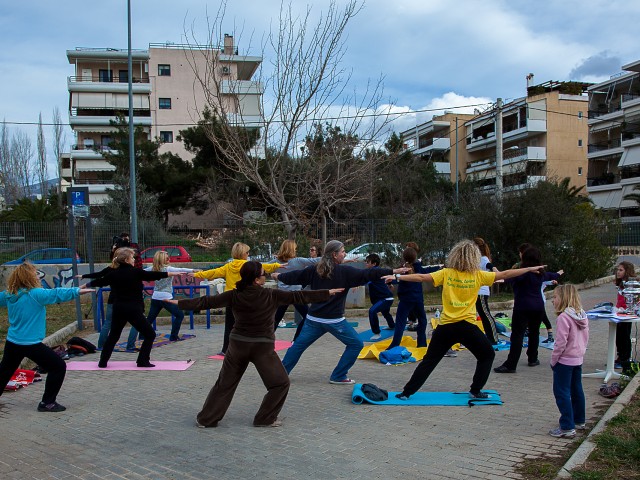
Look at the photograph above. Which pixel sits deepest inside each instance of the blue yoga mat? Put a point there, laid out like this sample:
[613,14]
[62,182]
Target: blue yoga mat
[502,345]
[367,334]
[457,399]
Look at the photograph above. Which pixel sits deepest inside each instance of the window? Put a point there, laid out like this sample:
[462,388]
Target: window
[579,170]
[105,75]
[580,142]
[164,70]
[579,114]
[166,137]
[105,141]
[164,103]
[123,76]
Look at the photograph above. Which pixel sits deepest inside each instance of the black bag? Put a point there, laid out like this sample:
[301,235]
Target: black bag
[81,345]
[375,393]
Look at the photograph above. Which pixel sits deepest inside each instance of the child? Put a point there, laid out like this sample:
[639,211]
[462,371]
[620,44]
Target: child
[572,336]
[624,271]
[26,300]
[163,290]
[381,299]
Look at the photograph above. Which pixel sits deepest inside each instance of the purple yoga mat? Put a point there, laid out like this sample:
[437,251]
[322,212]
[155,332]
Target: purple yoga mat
[113,365]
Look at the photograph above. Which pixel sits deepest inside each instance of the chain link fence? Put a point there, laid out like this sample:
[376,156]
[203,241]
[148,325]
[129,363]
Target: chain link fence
[214,243]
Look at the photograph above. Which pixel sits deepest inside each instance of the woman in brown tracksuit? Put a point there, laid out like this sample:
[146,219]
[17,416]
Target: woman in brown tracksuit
[251,340]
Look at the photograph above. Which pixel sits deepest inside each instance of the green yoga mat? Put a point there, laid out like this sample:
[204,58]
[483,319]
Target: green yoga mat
[456,399]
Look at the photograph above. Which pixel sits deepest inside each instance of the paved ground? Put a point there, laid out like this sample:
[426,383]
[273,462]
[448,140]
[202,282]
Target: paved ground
[140,425]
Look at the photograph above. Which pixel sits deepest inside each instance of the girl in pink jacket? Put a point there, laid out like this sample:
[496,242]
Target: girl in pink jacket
[572,336]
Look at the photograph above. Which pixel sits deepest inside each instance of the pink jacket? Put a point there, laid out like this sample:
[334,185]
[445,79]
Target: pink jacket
[572,336]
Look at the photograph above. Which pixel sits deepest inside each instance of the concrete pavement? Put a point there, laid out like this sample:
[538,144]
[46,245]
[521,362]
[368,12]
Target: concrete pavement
[140,425]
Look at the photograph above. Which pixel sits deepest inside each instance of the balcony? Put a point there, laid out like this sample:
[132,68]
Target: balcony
[241,87]
[630,139]
[431,144]
[611,147]
[510,159]
[628,100]
[94,83]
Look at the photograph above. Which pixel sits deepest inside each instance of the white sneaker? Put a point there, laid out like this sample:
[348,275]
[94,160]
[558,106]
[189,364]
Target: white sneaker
[375,337]
[451,353]
[282,324]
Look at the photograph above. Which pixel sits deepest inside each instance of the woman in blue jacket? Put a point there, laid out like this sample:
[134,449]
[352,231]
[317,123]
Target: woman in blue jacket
[25,300]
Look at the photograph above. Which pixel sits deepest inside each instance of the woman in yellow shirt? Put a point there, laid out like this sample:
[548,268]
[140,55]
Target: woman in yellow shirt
[460,279]
[231,274]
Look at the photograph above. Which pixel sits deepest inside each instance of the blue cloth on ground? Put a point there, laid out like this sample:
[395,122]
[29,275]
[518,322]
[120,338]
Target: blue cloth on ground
[395,356]
[367,334]
[502,345]
[459,399]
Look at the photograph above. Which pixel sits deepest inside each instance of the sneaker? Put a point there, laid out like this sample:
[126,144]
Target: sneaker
[345,381]
[402,396]
[581,426]
[375,337]
[145,365]
[51,407]
[451,353]
[534,364]
[199,425]
[559,433]
[503,369]
[478,395]
[548,340]
[282,324]
[617,366]
[220,354]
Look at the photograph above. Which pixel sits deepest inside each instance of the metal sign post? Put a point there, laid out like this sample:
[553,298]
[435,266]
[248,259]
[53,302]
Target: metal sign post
[78,206]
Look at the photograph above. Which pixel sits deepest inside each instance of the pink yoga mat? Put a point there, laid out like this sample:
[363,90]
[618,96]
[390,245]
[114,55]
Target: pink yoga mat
[279,345]
[112,365]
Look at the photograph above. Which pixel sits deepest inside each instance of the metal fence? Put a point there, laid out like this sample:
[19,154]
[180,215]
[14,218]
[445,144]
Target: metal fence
[214,243]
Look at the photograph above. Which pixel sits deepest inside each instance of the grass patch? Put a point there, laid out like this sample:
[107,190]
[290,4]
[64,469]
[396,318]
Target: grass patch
[616,456]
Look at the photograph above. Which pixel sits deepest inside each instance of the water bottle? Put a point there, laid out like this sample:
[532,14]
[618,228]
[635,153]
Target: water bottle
[437,314]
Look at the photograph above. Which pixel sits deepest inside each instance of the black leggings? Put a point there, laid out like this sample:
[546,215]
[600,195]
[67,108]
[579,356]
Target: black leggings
[302,309]
[443,338]
[488,322]
[41,355]
[132,312]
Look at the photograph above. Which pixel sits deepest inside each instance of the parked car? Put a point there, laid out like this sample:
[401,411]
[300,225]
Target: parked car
[47,256]
[177,254]
[383,249]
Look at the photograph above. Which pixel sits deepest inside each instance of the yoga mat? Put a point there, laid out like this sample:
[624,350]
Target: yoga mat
[502,345]
[548,346]
[367,334]
[454,399]
[279,345]
[373,351]
[113,365]
[295,325]
[160,340]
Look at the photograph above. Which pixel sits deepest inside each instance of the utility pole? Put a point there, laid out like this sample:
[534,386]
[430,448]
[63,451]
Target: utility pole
[499,185]
[133,215]
[457,161]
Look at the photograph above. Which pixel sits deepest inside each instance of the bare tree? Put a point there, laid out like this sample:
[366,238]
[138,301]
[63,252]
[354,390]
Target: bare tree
[59,139]
[306,84]
[5,155]
[42,159]
[22,164]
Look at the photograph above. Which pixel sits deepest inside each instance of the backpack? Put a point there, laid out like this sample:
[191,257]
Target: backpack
[77,345]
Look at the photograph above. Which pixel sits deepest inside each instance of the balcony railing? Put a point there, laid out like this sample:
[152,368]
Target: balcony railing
[599,147]
[607,179]
[96,146]
[604,110]
[627,97]
[106,79]
[92,181]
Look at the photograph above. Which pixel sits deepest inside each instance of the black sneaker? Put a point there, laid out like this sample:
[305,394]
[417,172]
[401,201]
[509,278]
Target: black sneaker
[503,369]
[402,396]
[534,364]
[478,395]
[51,407]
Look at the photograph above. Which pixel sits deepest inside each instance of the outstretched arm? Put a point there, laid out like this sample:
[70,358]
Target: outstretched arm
[516,272]
[412,277]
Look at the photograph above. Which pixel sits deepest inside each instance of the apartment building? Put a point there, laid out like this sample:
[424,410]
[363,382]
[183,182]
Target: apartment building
[167,97]
[438,140]
[614,142]
[544,136]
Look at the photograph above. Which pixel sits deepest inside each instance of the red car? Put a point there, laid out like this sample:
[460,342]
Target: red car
[176,253]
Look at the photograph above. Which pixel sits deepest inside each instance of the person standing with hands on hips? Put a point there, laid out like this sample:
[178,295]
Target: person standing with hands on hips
[572,337]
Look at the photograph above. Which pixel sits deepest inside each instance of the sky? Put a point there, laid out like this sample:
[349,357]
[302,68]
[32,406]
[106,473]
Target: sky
[433,55]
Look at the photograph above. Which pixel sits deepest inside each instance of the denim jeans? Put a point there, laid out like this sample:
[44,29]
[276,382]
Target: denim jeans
[567,388]
[177,316]
[106,326]
[404,308]
[311,331]
[383,307]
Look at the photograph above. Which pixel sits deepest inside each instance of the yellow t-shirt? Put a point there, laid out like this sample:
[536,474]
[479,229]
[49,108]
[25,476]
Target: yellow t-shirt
[459,293]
